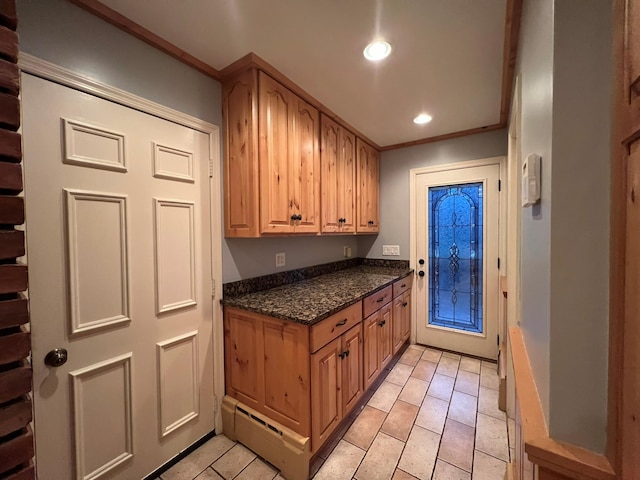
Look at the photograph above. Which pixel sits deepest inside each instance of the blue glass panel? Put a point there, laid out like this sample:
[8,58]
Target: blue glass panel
[455,256]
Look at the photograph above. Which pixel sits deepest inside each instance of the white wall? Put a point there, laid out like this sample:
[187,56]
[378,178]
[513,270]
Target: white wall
[64,34]
[535,67]
[565,66]
[394,184]
[580,221]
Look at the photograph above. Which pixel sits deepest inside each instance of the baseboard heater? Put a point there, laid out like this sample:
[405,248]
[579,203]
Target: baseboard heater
[282,447]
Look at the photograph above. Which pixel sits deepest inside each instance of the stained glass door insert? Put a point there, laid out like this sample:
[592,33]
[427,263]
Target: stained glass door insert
[455,256]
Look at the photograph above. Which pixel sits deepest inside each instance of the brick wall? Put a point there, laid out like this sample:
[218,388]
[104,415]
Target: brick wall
[16,437]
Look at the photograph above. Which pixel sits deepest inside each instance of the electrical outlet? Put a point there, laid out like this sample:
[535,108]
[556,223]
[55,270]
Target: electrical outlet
[391,250]
[280,259]
[347,252]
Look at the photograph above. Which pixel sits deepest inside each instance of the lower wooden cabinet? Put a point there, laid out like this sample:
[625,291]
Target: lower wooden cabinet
[378,346]
[336,383]
[308,378]
[401,319]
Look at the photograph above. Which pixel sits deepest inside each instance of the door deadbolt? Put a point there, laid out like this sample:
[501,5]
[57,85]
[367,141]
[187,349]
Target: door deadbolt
[56,357]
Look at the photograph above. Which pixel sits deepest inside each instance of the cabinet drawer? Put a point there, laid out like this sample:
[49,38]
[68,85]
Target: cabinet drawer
[376,301]
[402,285]
[338,323]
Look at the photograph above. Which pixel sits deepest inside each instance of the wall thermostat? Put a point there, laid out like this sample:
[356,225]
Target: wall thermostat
[530,180]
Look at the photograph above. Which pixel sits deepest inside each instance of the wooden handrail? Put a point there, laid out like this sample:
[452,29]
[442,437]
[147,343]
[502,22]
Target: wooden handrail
[561,457]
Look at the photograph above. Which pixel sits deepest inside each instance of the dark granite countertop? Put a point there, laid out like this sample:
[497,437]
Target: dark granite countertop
[315,299]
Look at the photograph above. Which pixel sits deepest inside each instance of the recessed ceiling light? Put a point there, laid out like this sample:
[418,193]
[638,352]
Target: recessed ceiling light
[377,50]
[422,119]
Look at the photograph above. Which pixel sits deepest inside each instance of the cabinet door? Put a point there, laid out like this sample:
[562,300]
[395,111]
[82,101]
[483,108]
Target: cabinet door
[351,368]
[329,138]
[286,373]
[243,351]
[371,348]
[326,394]
[304,174]
[386,335]
[240,162]
[406,315]
[347,181]
[368,164]
[398,323]
[274,113]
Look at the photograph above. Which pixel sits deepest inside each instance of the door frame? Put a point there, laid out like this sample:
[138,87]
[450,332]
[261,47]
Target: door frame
[49,71]
[413,174]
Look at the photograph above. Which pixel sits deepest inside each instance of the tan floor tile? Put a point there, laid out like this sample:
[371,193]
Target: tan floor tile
[488,403]
[456,447]
[487,365]
[400,420]
[209,474]
[432,414]
[402,475]
[489,378]
[441,387]
[257,470]
[419,455]
[491,437]
[424,370]
[410,356]
[455,356]
[380,461]
[414,391]
[467,382]
[342,462]
[385,396]
[445,471]
[463,408]
[431,355]
[448,366]
[486,467]
[200,459]
[470,365]
[365,428]
[234,461]
[399,374]
[417,347]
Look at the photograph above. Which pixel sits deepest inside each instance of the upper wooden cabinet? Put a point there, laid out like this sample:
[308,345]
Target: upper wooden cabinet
[338,181]
[368,203]
[288,169]
[272,158]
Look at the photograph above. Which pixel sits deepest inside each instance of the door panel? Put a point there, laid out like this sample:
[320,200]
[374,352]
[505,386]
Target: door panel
[457,240]
[275,131]
[352,368]
[347,181]
[119,247]
[326,401]
[386,334]
[371,349]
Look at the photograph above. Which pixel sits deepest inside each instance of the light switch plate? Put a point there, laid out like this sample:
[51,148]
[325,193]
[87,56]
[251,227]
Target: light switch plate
[280,259]
[391,250]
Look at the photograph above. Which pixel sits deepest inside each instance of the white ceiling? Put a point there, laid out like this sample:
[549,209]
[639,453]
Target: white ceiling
[446,58]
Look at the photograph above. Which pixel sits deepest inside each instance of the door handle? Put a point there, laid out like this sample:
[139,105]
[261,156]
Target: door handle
[421,273]
[56,357]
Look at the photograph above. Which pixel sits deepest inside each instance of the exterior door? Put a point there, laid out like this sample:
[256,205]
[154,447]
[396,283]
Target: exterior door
[457,259]
[118,241]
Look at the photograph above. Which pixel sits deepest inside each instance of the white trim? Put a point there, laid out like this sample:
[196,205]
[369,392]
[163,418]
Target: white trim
[49,71]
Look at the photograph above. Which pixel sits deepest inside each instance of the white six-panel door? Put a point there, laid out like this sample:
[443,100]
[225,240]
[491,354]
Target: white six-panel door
[118,245]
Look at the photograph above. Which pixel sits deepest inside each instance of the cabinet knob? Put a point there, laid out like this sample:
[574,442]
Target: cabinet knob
[294,217]
[404,304]
[381,324]
[421,273]
[299,217]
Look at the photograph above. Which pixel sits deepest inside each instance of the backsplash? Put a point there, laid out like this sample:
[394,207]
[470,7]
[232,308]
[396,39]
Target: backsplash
[249,285]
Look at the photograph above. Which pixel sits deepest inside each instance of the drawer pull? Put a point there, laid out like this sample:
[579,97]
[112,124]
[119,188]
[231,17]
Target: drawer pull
[341,323]
[403,285]
[380,299]
[381,324]
[404,304]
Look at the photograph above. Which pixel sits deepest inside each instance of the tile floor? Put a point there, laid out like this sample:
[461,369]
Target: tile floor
[434,417]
